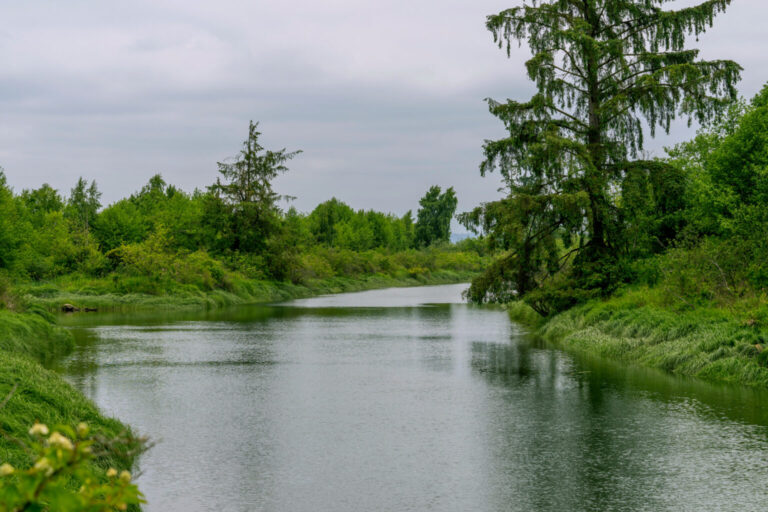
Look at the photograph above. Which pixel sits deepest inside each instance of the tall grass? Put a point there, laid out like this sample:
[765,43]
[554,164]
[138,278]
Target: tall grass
[639,326]
[31,393]
[522,313]
[100,293]
[33,335]
[37,394]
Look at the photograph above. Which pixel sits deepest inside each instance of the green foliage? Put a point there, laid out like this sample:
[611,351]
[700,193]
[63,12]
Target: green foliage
[247,192]
[641,326]
[700,307]
[83,203]
[198,280]
[61,458]
[7,299]
[159,268]
[722,249]
[335,224]
[42,201]
[652,210]
[33,336]
[11,229]
[228,244]
[120,223]
[524,314]
[581,200]
[433,220]
[739,164]
[36,240]
[355,234]
[726,166]
[164,241]
[326,216]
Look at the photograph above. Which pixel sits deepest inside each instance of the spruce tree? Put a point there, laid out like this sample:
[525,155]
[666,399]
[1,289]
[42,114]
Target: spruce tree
[246,191]
[605,72]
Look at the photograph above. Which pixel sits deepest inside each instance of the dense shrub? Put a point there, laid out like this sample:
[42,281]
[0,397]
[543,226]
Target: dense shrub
[63,456]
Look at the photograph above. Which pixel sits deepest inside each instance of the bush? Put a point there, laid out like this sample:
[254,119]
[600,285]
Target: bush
[713,270]
[312,266]
[60,458]
[7,301]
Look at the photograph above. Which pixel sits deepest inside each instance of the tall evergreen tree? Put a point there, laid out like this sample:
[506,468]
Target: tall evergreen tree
[605,71]
[247,189]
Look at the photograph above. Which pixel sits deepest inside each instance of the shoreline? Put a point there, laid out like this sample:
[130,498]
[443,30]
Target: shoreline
[30,341]
[710,343]
[31,393]
[248,292]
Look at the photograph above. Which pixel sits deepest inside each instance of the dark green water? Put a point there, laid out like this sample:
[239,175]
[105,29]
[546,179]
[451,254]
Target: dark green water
[377,402]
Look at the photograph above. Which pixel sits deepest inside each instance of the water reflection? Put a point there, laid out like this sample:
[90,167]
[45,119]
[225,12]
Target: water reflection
[372,402]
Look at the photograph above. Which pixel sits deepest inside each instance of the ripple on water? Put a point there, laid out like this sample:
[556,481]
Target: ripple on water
[375,401]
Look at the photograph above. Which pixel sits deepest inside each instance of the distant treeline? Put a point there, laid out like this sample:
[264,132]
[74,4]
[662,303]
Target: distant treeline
[236,223]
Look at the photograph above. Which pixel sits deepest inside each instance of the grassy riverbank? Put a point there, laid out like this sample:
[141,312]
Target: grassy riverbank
[98,294]
[28,340]
[640,326]
[194,283]
[33,335]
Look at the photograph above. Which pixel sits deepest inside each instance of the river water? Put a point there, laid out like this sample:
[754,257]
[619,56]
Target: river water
[409,400]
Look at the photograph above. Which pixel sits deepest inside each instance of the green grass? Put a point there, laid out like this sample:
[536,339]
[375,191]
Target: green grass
[27,340]
[641,326]
[41,395]
[99,293]
[33,335]
[522,313]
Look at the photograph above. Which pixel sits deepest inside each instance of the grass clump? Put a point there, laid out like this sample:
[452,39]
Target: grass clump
[29,393]
[638,326]
[522,313]
[102,294]
[39,395]
[33,335]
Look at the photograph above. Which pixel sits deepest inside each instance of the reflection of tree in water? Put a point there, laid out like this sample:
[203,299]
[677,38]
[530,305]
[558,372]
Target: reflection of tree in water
[508,422]
[569,434]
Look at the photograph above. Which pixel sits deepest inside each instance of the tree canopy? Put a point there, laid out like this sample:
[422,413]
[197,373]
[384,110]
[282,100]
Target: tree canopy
[83,203]
[605,72]
[235,224]
[433,220]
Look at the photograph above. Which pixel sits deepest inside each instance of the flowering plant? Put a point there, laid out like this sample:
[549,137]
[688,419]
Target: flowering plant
[62,477]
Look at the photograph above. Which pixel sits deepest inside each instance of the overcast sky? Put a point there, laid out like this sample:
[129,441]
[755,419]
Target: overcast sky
[384,98]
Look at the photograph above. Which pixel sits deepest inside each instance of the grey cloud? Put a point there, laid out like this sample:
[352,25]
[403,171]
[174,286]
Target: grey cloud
[385,99]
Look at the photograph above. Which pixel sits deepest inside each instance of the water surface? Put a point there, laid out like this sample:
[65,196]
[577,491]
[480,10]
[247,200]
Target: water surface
[409,400]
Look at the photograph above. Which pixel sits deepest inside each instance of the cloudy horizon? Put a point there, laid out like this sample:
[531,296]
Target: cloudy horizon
[384,100]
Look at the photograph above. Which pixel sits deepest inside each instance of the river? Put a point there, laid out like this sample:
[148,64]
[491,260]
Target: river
[408,400]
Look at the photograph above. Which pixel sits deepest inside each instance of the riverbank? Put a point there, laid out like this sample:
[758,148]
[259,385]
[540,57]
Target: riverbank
[29,340]
[31,393]
[99,293]
[34,336]
[640,326]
